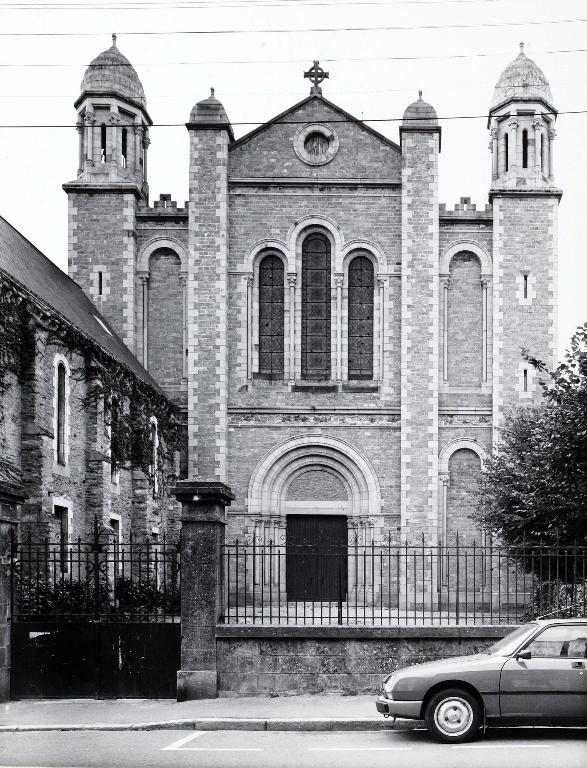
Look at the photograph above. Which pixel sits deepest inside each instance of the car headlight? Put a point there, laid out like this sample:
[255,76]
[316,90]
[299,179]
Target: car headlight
[388,684]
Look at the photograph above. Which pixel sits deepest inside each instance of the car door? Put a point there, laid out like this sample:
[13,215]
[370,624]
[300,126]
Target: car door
[553,682]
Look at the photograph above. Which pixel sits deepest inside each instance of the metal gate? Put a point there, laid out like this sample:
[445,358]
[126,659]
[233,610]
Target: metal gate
[98,618]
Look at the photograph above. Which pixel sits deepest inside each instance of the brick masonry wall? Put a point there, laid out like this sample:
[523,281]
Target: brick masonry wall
[464,468]
[322,663]
[102,233]
[465,321]
[207,305]
[419,334]
[165,331]
[360,154]
[525,240]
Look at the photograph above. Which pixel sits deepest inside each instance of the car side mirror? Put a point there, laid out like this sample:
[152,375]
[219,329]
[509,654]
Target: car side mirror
[524,655]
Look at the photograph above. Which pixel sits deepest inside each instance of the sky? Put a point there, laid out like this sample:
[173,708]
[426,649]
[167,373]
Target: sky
[379,53]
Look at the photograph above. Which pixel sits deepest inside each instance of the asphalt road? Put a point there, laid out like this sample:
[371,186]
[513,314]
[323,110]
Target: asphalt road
[519,748]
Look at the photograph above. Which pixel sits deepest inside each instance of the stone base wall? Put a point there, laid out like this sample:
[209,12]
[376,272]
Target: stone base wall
[285,661]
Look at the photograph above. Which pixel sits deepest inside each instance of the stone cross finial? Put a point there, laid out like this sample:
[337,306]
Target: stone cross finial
[419,95]
[316,75]
[211,93]
[521,47]
[114,39]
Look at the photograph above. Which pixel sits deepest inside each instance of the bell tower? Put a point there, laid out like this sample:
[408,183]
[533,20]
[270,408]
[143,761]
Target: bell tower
[113,140]
[525,223]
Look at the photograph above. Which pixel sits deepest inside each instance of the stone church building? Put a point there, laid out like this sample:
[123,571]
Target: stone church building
[343,345]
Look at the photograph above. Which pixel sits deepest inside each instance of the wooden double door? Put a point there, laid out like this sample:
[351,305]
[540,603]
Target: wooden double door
[316,557]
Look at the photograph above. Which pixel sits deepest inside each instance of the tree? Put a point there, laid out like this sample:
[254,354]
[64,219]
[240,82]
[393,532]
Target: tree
[534,488]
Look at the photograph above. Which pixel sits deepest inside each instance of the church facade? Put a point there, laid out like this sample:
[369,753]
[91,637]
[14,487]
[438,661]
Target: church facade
[343,346]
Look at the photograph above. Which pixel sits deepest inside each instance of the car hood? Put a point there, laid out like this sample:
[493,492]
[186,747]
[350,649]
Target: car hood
[444,666]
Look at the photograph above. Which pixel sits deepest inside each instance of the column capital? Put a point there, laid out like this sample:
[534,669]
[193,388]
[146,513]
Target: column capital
[493,134]
[552,133]
[249,279]
[89,118]
[444,478]
[338,279]
[537,124]
[513,123]
[114,118]
[183,278]
[445,281]
[382,280]
[292,278]
[144,276]
[485,280]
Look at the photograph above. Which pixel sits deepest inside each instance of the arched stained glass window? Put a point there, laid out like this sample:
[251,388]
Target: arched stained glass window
[360,329]
[271,324]
[316,307]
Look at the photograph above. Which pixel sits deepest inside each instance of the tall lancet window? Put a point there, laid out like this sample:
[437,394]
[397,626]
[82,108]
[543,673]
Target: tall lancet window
[271,324]
[316,307]
[360,332]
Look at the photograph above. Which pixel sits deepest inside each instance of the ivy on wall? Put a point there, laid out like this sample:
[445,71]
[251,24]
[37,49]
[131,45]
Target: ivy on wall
[127,402]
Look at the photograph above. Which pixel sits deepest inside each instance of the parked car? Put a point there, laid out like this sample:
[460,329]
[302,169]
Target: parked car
[536,675]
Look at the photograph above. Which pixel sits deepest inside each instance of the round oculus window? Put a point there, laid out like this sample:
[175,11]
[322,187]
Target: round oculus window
[316,144]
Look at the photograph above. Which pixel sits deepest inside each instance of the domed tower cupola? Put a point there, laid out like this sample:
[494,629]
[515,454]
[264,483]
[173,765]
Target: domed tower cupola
[521,122]
[113,122]
[209,113]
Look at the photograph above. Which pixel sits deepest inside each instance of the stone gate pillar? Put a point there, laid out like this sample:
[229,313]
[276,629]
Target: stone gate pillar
[11,498]
[203,518]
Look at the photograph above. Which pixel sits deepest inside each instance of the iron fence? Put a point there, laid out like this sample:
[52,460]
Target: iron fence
[102,579]
[390,584]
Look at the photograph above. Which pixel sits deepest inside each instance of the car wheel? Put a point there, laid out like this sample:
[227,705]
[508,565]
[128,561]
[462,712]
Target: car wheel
[453,715]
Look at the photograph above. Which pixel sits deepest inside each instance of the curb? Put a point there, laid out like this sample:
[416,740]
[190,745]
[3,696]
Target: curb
[231,724]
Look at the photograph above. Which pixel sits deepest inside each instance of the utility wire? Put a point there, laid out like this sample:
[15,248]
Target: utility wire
[304,122]
[205,4]
[26,65]
[286,31]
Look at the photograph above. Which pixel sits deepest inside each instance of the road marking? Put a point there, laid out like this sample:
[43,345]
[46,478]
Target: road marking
[359,749]
[503,746]
[180,742]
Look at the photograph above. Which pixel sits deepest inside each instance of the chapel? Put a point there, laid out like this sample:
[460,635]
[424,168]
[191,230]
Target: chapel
[343,347]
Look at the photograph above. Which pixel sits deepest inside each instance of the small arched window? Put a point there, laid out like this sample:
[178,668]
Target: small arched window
[103,143]
[271,323]
[316,341]
[506,154]
[124,149]
[360,328]
[524,148]
[61,415]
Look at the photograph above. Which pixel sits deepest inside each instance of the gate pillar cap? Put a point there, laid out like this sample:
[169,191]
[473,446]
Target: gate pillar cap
[206,492]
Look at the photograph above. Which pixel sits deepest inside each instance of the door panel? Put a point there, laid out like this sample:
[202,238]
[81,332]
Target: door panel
[316,557]
[551,684]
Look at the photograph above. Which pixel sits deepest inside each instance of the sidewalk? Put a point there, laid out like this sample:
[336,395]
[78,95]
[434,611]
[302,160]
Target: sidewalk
[286,713]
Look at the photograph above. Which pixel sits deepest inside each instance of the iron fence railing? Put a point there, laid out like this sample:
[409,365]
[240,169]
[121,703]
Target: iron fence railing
[390,584]
[102,579]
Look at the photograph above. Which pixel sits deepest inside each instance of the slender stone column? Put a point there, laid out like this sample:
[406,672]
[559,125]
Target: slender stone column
[183,278]
[484,303]
[249,329]
[80,133]
[513,145]
[113,134]
[537,125]
[138,131]
[292,279]
[551,136]
[444,479]
[445,283]
[381,282]
[338,280]
[11,499]
[493,146]
[146,142]
[89,120]
[144,278]
[203,520]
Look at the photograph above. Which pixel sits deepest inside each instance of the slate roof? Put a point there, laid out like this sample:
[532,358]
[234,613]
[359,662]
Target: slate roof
[33,271]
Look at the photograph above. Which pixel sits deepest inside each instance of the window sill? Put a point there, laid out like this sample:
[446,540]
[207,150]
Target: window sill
[360,386]
[307,385]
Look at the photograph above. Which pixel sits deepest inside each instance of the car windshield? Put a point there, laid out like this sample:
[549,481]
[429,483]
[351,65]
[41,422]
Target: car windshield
[509,643]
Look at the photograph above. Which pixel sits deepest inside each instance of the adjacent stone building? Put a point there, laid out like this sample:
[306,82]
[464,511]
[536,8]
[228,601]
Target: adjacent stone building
[81,421]
[343,347]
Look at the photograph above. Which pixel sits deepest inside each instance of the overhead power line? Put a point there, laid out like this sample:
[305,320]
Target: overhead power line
[305,30]
[26,65]
[304,122]
[205,4]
